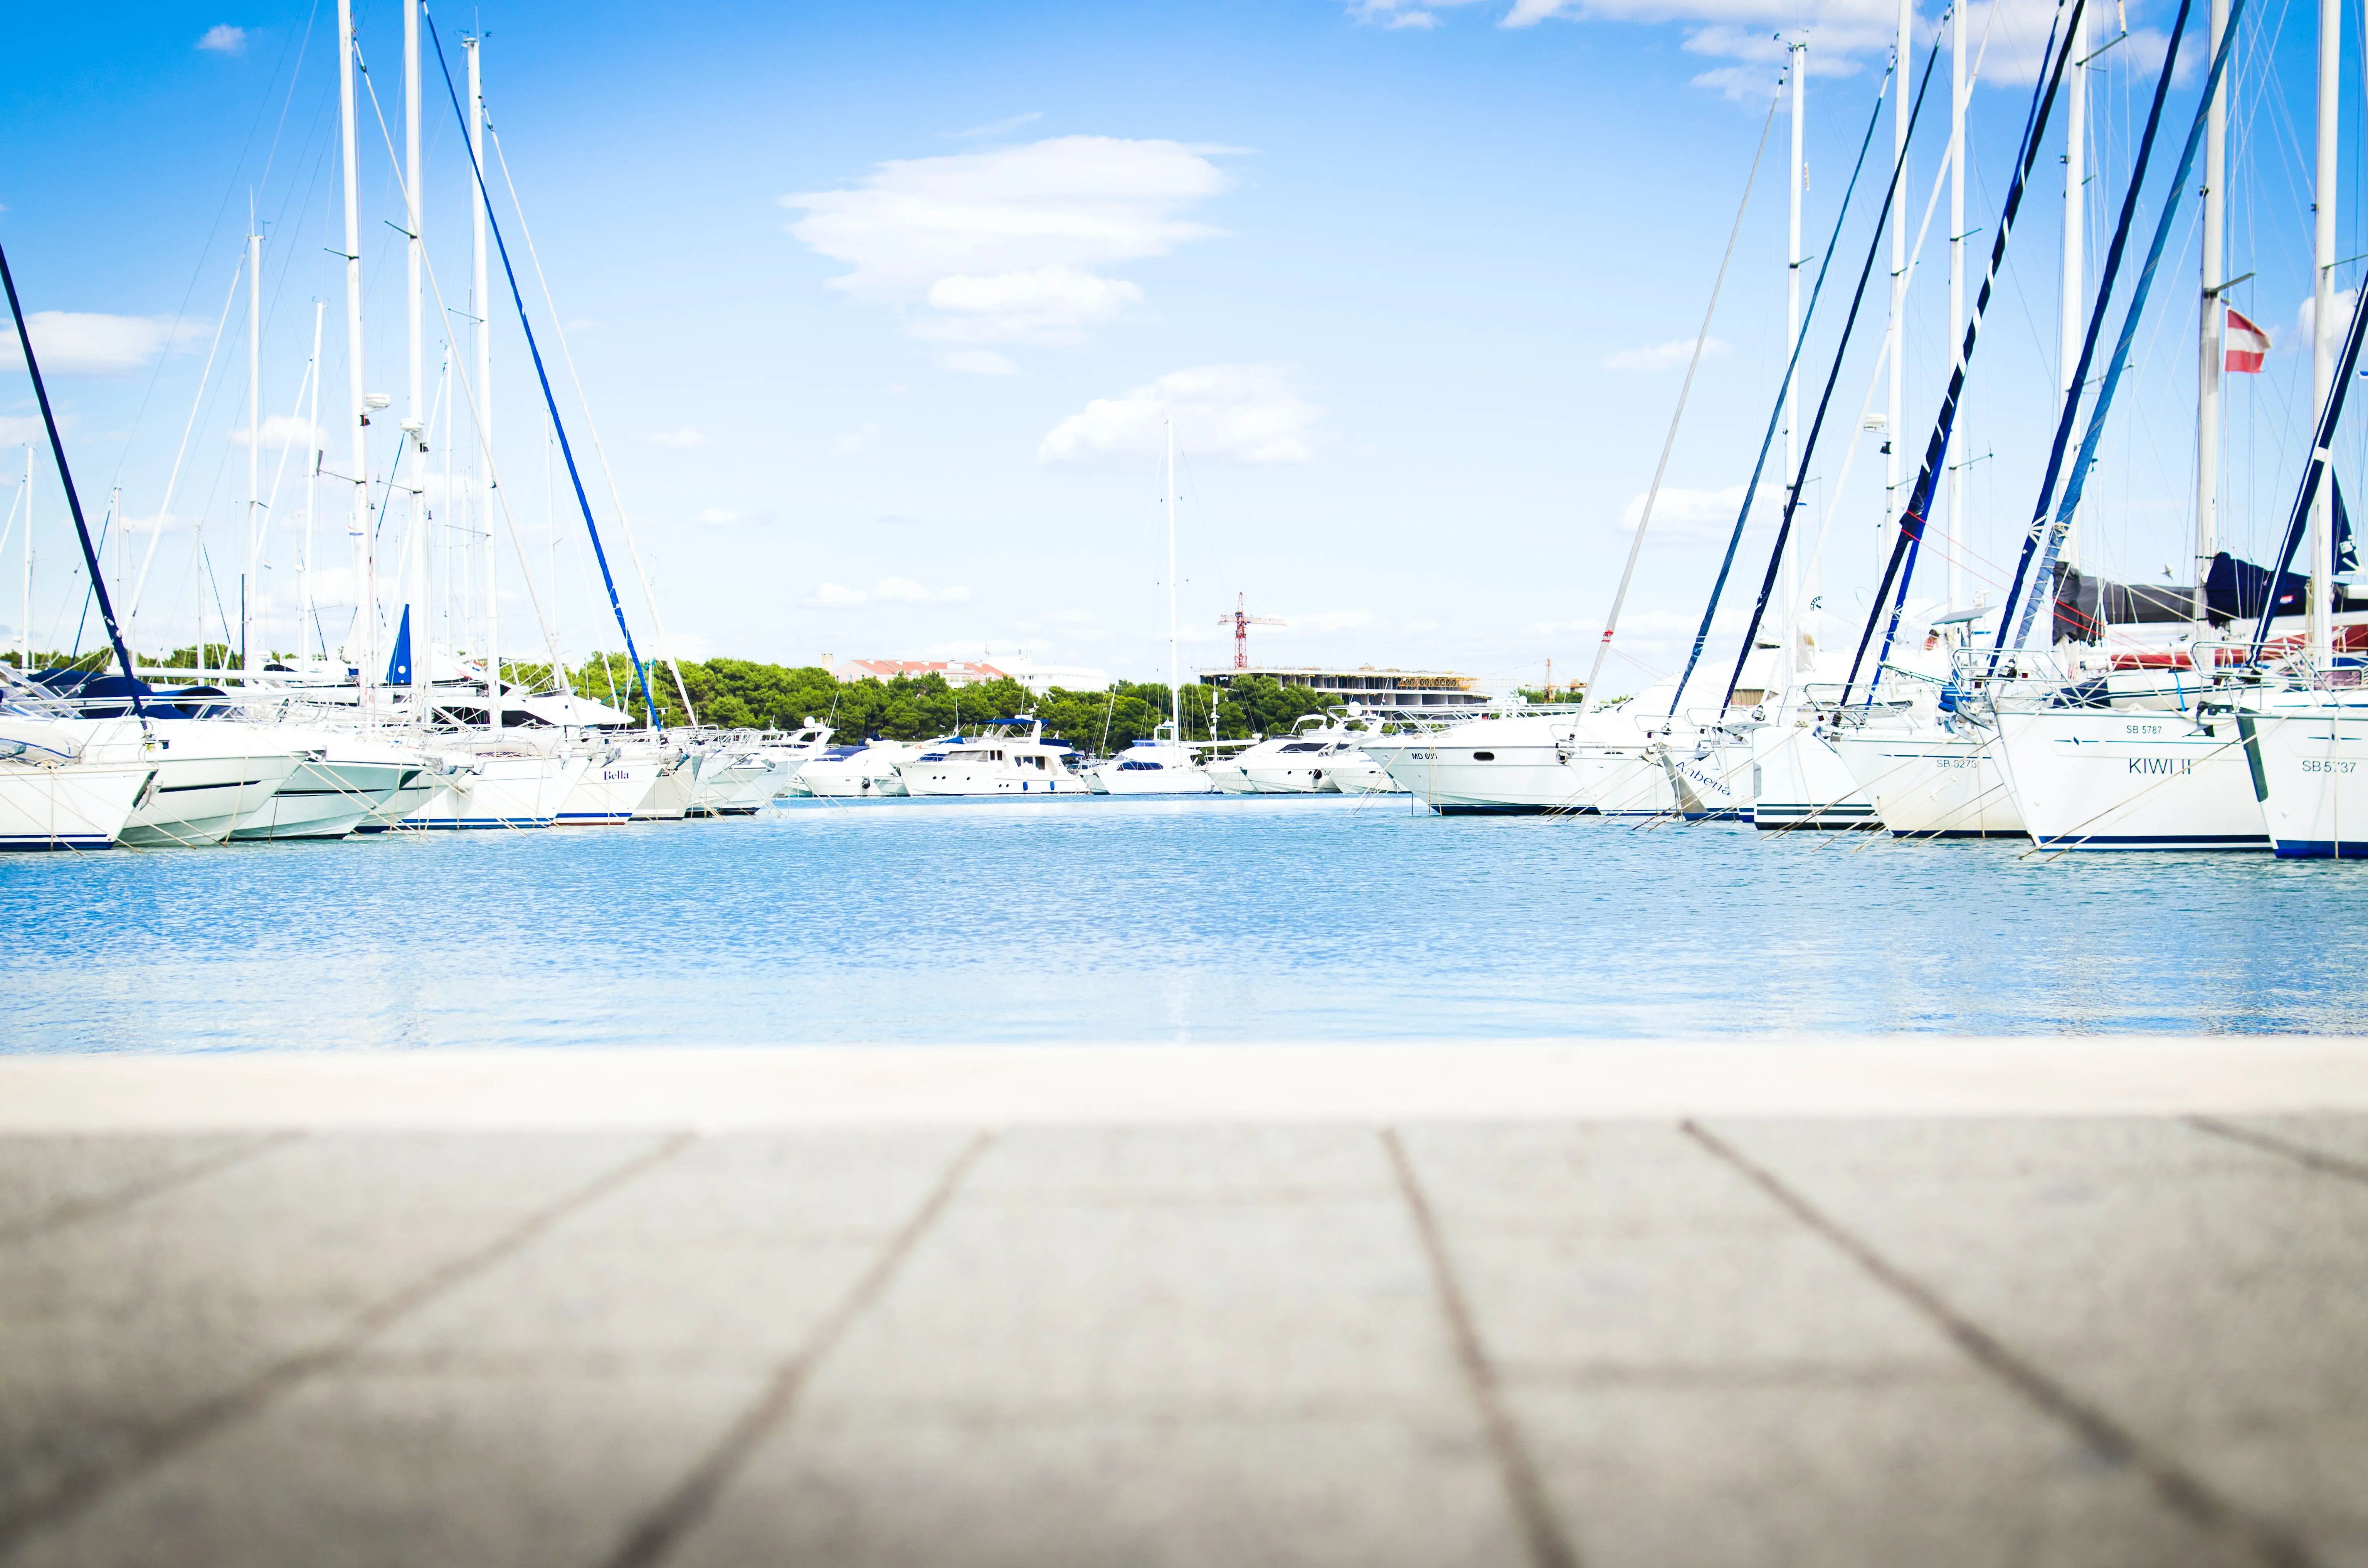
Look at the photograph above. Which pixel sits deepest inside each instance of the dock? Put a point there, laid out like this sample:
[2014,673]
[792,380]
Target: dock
[1925,1301]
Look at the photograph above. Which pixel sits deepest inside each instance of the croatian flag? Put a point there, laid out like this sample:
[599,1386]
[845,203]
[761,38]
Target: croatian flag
[2247,345]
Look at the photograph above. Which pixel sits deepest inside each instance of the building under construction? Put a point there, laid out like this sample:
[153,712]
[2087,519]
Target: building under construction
[1411,693]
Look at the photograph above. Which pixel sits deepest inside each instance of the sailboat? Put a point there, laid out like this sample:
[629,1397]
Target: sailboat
[1163,764]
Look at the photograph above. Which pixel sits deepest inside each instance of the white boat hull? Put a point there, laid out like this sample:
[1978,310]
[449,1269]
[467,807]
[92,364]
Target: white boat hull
[1797,782]
[486,792]
[2114,778]
[69,805]
[609,790]
[1933,785]
[2309,765]
[327,798]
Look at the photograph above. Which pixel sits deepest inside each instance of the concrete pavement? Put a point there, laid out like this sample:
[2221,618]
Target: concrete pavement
[2036,1335]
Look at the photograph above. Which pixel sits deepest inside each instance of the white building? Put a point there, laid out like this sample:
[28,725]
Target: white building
[1412,693]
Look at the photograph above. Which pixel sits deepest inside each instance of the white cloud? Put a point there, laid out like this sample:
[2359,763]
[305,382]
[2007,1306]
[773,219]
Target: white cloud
[1248,413]
[855,440]
[1402,13]
[1696,512]
[1046,305]
[223,39]
[1009,244]
[686,436]
[23,431]
[90,344]
[717,517]
[980,362]
[887,591]
[281,430]
[1661,355]
[997,127]
[2307,317]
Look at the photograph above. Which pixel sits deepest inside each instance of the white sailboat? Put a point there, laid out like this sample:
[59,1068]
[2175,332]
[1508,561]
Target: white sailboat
[1160,765]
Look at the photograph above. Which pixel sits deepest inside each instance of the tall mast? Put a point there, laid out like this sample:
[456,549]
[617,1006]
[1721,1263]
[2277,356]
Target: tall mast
[1954,540]
[414,419]
[25,622]
[484,314]
[254,446]
[358,525]
[2214,318]
[1175,679]
[1892,432]
[1799,68]
[2071,320]
[312,473]
[2323,324]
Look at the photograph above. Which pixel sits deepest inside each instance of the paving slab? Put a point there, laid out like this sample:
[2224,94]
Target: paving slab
[893,1334]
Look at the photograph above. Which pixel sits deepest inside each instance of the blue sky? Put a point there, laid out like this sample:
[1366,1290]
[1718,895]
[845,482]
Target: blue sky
[879,309]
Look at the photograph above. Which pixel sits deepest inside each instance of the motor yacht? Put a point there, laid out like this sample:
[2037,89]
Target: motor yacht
[1153,766]
[997,765]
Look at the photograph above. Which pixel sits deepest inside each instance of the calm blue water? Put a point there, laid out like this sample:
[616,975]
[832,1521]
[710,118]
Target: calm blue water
[1099,920]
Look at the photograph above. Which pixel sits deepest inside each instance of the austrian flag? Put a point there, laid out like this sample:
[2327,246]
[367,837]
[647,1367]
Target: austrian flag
[2247,345]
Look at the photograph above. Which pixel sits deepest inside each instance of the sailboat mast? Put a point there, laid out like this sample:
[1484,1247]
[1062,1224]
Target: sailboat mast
[1897,345]
[1953,541]
[1799,68]
[254,444]
[1174,683]
[414,419]
[364,547]
[2322,336]
[2070,324]
[2212,368]
[25,621]
[484,314]
[312,473]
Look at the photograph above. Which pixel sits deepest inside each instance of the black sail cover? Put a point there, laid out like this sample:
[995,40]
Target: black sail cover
[2233,590]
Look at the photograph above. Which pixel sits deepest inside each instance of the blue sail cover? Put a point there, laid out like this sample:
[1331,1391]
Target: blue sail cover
[398,668]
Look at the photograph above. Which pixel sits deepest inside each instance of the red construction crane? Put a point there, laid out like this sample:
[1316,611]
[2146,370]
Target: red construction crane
[1241,621]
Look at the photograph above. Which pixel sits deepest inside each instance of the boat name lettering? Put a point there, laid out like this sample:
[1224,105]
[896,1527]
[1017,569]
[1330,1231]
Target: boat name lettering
[2142,729]
[2164,765]
[2322,764]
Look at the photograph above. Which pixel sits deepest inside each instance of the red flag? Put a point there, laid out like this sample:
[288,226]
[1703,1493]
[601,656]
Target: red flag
[2247,345]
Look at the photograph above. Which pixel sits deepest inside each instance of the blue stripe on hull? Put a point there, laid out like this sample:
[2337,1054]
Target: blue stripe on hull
[1516,811]
[30,843]
[2159,841]
[447,823]
[1954,833]
[2322,849]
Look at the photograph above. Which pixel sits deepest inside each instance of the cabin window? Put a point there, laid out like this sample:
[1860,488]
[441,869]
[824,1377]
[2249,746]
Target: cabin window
[1483,756]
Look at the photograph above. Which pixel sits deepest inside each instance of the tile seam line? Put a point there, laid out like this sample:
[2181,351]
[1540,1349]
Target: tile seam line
[2181,1490]
[77,1212]
[172,1436]
[1542,1532]
[2284,1148]
[665,1527]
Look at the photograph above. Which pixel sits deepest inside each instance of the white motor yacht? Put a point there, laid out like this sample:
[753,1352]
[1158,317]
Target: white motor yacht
[1155,765]
[997,765]
[865,772]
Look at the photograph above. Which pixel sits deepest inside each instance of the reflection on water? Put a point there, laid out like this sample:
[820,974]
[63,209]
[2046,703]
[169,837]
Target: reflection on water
[1121,920]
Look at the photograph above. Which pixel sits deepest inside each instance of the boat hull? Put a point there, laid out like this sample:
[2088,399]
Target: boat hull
[2310,769]
[68,806]
[1936,785]
[1799,784]
[325,798]
[489,792]
[2105,778]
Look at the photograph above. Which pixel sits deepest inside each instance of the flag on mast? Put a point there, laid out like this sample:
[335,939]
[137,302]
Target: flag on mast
[2247,345]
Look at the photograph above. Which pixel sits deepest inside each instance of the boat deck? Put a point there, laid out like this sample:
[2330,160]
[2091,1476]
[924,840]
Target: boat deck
[1929,1301]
